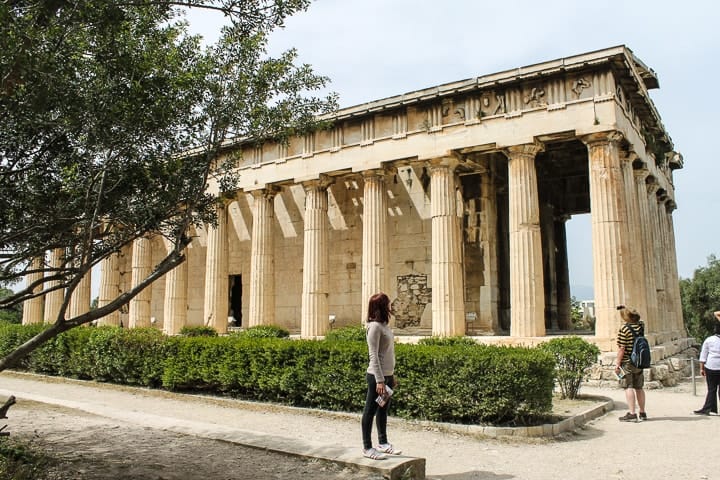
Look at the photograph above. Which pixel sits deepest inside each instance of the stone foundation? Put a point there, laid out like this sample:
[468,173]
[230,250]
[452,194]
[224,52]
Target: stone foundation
[671,364]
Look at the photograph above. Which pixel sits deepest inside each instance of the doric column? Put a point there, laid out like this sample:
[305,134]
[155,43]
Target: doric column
[677,325]
[375,242]
[648,250]
[547,233]
[667,262]
[33,308]
[657,252]
[216,273]
[563,274]
[139,313]
[175,303]
[608,209]
[635,294]
[314,310]
[80,297]
[527,298]
[448,290]
[489,318]
[262,260]
[109,288]
[54,299]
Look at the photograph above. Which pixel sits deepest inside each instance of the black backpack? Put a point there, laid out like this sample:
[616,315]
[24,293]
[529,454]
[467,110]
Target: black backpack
[640,355]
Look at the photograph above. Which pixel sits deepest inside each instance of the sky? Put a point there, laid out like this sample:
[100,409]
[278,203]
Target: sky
[372,49]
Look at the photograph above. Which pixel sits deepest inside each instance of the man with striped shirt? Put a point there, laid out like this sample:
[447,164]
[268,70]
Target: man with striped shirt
[631,377]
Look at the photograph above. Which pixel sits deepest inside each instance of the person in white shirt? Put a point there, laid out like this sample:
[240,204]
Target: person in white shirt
[710,369]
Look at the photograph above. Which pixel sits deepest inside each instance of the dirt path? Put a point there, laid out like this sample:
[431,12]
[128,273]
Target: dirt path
[91,447]
[101,447]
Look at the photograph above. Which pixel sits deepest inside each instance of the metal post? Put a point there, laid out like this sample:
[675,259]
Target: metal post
[692,374]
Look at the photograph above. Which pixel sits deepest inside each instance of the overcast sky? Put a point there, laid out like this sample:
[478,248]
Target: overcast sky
[373,49]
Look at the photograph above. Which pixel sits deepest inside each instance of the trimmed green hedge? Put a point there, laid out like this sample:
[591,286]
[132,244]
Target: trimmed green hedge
[107,354]
[451,383]
[573,356]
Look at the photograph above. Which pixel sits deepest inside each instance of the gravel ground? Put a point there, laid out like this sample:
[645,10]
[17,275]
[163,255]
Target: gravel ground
[94,446]
[89,447]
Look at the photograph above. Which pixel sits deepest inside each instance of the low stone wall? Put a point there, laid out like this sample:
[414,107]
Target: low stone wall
[671,363]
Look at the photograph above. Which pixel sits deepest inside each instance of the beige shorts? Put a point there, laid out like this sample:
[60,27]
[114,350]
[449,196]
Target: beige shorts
[633,378]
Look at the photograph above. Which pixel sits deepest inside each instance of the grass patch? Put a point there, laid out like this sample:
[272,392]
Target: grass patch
[19,461]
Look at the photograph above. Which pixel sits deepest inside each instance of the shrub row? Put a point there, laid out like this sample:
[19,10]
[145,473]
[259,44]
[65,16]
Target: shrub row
[454,382]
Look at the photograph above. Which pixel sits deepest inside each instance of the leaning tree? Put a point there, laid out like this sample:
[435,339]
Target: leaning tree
[116,121]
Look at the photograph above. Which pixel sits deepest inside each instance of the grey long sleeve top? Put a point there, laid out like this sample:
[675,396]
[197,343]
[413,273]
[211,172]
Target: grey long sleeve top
[381,349]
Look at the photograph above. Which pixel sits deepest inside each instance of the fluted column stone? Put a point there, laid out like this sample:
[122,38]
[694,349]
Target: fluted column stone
[175,304]
[109,288]
[448,290]
[314,309]
[562,274]
[375,241]
[667,265]
[54,299]
[139,310]
[547,233]
[635,296]
[677,325]
[489,318]
[527,298]
[215,309]
[648,250]
[608,209]
[657,251]
[262,259]
[33,308]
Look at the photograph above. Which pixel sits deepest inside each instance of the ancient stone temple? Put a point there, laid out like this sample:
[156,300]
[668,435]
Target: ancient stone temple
[454,201]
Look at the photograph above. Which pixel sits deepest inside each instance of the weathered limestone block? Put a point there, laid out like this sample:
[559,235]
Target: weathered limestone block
[660,372]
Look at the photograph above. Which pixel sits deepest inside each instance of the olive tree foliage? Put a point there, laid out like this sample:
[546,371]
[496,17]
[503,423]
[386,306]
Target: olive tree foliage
[700,297]
[117,123]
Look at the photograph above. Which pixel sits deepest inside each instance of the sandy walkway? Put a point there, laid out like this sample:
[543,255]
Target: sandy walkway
[669,445]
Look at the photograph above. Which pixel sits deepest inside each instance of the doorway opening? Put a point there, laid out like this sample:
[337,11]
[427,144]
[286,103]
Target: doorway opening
[236,300]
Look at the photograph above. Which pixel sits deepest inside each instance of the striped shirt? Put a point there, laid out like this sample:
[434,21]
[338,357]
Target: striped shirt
[626,339]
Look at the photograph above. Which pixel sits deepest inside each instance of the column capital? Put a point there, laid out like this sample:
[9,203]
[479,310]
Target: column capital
[224,200]
[268,192]
[377,172]
[651,184]
[640,169]
[631,157]
[600,138]
[322,183]
[523,150]
[449,162]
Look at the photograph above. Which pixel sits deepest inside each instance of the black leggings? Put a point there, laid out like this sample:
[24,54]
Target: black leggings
[712,377]
[372,409]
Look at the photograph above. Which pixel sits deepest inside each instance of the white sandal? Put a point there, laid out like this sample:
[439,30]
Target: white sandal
[388,449]
[373,454]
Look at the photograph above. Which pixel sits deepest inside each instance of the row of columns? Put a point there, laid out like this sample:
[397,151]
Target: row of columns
[629,215]
[634,258]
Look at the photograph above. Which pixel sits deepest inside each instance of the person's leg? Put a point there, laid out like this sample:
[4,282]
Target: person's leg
[640,396]
[713,384]
[630,398]
[382,413]
[708,396]
[371,408]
